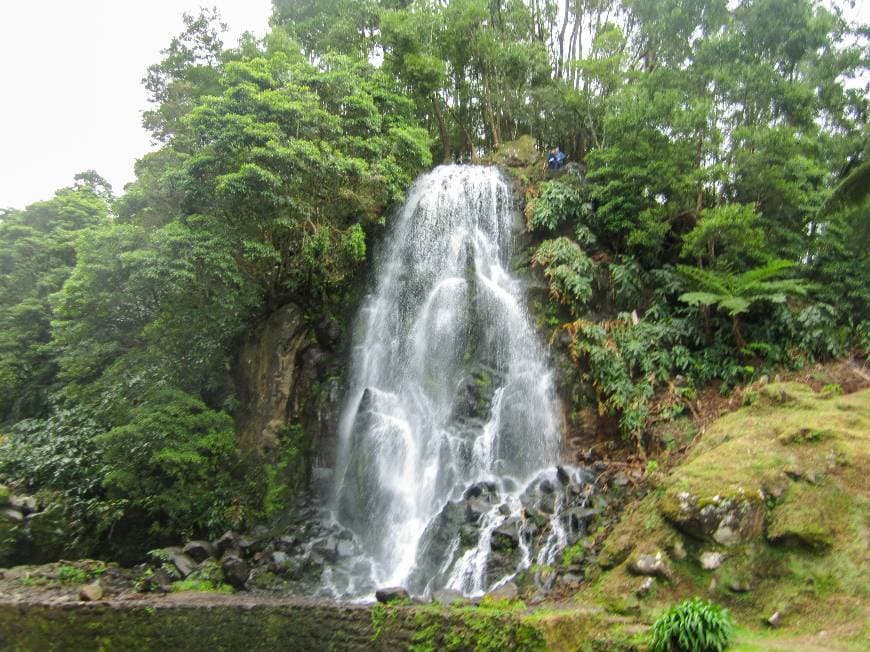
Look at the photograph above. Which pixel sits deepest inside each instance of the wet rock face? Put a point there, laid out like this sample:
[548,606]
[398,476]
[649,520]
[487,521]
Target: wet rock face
[726,521]
[493,530]
[287,372]
[266,373]
[391,594]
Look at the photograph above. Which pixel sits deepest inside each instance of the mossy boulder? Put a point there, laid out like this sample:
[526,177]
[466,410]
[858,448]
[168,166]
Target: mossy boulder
[727,521]
[519,153]
[10,533]
[48,532]
[780,488]
[813,516]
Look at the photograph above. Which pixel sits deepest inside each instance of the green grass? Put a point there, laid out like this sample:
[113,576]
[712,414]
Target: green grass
[200,585]
[802,458]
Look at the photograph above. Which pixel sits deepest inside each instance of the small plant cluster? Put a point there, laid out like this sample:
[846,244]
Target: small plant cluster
[692,626]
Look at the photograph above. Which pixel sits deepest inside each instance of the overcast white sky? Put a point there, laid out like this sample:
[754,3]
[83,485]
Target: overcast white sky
[71,96]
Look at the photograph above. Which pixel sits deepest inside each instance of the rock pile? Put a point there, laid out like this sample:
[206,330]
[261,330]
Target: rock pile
[29,532]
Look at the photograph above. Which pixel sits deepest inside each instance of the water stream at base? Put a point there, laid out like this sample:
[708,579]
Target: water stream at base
[450,400]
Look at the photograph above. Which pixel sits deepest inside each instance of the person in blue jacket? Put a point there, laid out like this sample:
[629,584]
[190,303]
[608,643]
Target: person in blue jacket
[556,159]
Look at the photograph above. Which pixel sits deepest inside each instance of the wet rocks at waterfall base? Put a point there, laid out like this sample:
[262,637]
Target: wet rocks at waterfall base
[495,533]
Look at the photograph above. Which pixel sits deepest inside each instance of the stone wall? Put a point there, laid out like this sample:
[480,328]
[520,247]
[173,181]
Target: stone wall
[212,622]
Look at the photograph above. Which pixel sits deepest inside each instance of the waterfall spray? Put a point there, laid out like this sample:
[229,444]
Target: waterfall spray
[449,386]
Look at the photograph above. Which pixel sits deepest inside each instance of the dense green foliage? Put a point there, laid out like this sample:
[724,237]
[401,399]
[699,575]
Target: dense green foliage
[119,331]
[711,224]
[693,626]
[698,233]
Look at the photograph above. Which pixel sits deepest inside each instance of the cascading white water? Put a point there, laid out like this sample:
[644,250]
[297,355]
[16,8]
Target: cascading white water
[448,384]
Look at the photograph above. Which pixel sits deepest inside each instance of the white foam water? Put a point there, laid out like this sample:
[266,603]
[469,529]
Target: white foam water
[448,383]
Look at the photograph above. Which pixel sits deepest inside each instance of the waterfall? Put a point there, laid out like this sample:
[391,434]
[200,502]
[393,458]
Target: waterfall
[448,382]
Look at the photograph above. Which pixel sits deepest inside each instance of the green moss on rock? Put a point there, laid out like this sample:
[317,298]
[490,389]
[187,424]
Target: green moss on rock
[789,470]
[811,515]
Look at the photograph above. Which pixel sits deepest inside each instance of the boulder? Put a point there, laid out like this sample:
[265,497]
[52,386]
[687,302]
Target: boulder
[726,521]
[391,594]
[645,587]
[182,562]
[199,551]
[49,535]
[484,489]
[570,579]
[506,535]
[327,549]
[739,586]
[91,592]
[229,541]
[11,515]
[24,504]
[678,550]
[161,580]
[235,569]
[775,620]
[650,565]
[546,487]
[475,508]
[446,596]
[547,504]
[507,591]
[711,560]
[10,534]
[250,545]
[578,517]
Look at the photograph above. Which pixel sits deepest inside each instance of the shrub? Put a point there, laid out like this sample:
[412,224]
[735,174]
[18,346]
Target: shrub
[173,465]
[692,626]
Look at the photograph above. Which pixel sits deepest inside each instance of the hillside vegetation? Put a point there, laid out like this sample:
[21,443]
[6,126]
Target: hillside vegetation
[710,226]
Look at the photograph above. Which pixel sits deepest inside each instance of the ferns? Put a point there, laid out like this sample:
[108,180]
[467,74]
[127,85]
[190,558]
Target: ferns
[736,293]
[568,270]
[557,203]
[692,626]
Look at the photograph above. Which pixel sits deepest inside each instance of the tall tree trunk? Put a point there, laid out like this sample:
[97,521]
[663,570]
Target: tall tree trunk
[490,114]
[442,129]
[738,336]
[699,196]
[560,62]
[708,331]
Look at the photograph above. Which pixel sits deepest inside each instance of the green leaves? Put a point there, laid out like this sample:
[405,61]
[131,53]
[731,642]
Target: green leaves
[37,254]
[173,462]
[558,202]
[735,293]
[568,269]
[729,232]
[692,626]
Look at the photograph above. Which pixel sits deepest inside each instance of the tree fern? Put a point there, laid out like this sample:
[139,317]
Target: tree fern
[735,294]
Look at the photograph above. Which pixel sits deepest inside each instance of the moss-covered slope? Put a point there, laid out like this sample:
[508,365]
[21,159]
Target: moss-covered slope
[768,513]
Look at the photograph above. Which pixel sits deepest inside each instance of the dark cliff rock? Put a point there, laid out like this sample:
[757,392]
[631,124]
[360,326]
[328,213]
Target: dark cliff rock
[286,373]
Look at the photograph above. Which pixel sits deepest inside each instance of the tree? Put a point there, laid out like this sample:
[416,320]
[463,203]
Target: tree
[735,294]
[37,254]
